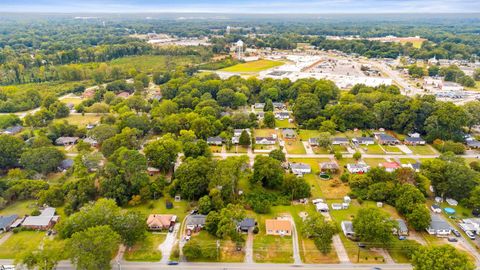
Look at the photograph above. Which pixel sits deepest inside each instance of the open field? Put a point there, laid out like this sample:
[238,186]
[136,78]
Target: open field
[20,243]
[146,250]
[58,88]
[307,134]
[254,66]
[20,208]
[81,120]
[72,100]
[373,149]
[373,162]
[294,147]
[284,124]
[264,132]
[422,150]
[153,63]
[158,207]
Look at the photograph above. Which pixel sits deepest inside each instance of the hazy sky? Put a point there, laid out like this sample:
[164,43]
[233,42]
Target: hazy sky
[245,6]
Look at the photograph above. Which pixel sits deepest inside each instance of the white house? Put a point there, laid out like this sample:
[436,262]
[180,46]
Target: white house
[358,167]
[439,227]
[436,209]
[265,140]
[322,207]
[300,168]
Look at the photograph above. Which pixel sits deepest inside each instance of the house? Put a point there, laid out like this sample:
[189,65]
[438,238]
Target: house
[6,222]
[331,166]
[436,209]
[414,141]
[321,207]
[195,222]
[66,141]
[215,140]
[260,115]
[278,227]
[451,201]
[279,105]
[160,222]
[123,94]
[340,141]
[91,141]
[439,227]
[347,228]
[402,229]
[265,140]
[300,168]
[152,171]
[259,106]
[339,206]
[473,144]
[246,224]
[383,138]
[470,224]
[88,93]
[358,167]
[46,220]
[288,133]
[65,164]
[13,130]
[313,142]
[451,86]
[363,140]
[390,166]
[282,115]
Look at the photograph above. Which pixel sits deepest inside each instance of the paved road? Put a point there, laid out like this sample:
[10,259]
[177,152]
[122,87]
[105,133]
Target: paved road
[167,245]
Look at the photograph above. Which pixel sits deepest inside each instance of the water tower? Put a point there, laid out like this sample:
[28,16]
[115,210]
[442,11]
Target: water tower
[239,49]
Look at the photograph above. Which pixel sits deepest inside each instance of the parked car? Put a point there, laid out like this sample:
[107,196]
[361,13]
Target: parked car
[456,233]
[470,235]
[172,263]
[452,239]
[171,228]
[402,237]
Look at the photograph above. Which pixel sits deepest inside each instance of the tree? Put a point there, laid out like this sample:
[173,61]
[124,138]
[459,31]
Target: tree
[295,188]
[45,258]
[474,200]
[317,228]
[307,106]
[268,172]
[419,217]
[374,226]
[10,150]
[268,106]
[163,153]
[244,139]
[93,248]
[269,120]
[443,257]
[277,154]
[473,110]
[43,159]
[408,197]
[357,156]
[324,140]
[328,126]
[223,224]
[102,132]
[191,178]
[204,205]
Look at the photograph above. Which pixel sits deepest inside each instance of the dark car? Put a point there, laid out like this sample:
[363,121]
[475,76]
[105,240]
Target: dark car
[456,233]
[452,239]
[172,263]
[171,228]
[401,237]
[362,245]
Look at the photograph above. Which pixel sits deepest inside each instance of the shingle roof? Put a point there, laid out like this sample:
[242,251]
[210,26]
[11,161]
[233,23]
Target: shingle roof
[247,222]
[438,224]
[278,225]
[6,221]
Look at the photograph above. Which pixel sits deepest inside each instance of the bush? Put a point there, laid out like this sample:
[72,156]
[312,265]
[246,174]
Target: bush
[256,230]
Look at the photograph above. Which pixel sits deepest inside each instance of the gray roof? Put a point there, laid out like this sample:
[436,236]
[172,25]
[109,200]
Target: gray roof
[288,132]
[340,139]
[46,215]
[214,139]
[278,104]
[14,129]
[364,139]
[473,143]
[402,226]
[66,164]
[332,165]
[66,140]
[6,221]
[196,220]
[313,140]
[439,224]
[299,166]
[386,137]
[247,223]
[414,139]
[347,227]
[283,113]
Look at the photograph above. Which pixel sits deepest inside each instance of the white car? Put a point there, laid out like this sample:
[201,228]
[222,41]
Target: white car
[470,235]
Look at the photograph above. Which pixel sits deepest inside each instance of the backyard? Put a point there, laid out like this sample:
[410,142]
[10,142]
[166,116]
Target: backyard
[146,250]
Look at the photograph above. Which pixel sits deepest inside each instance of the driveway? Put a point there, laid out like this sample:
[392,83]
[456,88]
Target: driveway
[5,237]
[167,245]
[296,249]
[249,247]
[308,149]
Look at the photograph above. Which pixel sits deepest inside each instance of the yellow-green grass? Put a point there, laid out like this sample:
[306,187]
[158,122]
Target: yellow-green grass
[416,43]
[284,124]
[81,120]
[391,149]
[264,132]
[20,243]
[294,147]
[373,149]
[373,162]
[228,252]
[45,88]
[340,148]
[158,207]
[152,63]
[397,251]
[20,208]
[74,101]
[306,134]
[321,150]
[253,67]
[147,249]
[422,150]
[408,160]
[216,148]
[238,149]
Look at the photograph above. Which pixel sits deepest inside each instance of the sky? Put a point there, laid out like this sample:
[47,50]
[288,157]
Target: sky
[242,6]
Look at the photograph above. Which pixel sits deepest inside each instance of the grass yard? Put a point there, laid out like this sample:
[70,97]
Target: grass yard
[45,88]
[396,252]
[153,63]
[216,148]
[321,150]
[147,250]
[238,149]
[72,100]
[158,207]
[422,150]
[310,254]
[81,120]
[306,134]
[284,124]
[408,160]
[340,148]
[373,162]
[253,67]
[20,208]
[391,149]
[294,147]
[271,248]
[20,243]
[373,149]
[229,252]
[264,132]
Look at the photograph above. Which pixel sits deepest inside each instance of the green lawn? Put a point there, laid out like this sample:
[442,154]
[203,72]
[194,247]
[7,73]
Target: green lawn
[264,132]
[253,67]
[20,243]
[408,160]
[158,207]
[20,208]
[238,149]
[153,63]
[422,150]
[373,162]
[74,101]
[397,247]
[284,124]
[320,150]
[294,147]
[373,149]
[306,134]
[81,120]
[340,148]
[147,250]
[271,248]
[391,149]
[216,148]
